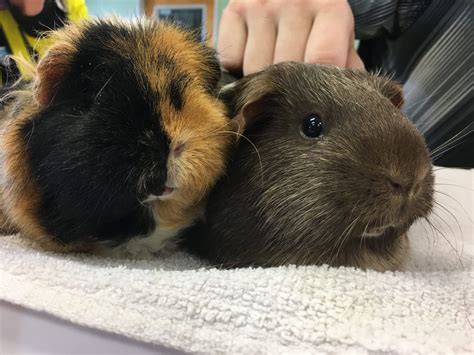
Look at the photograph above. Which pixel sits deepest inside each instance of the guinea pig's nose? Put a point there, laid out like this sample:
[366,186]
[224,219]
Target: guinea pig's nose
[178,149]
[396,186]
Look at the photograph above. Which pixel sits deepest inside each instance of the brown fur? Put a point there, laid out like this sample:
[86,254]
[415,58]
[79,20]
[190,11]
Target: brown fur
[6,226]
[290,199]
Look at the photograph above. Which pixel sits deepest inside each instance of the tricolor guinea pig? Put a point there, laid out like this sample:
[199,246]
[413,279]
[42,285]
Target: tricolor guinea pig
[117,140]
[328,171]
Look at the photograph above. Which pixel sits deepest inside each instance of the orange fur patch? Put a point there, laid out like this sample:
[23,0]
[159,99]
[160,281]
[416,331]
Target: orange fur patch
[201,124]
[20,196]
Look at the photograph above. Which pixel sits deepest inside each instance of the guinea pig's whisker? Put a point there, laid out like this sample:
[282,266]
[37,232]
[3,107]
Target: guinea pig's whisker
[456,201]
[461,252]
[441,221]
[454,185]
[446,209]
[103,87]
[348,233]
[329,238]
[434,233]
[440,233]
[439,168]
[344,235]
[142,203]
[256,151]
[428,235]
[452,215]
[457,136]
[363,240]
[451,143]
[446,148]
[130,172]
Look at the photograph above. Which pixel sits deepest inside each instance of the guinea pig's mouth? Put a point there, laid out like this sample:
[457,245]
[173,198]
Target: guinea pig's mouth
[164,195]
[168,190]
[377,231]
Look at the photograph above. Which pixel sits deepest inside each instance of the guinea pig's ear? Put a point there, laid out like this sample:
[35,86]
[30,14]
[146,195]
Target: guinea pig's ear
[247,99]
[392,90]
[50,71]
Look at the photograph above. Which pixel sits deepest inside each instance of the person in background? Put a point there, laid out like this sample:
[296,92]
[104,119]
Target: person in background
[22,24]
[255,34]
[424,44]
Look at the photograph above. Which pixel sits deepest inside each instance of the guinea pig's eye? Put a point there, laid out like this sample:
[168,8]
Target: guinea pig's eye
[312,126]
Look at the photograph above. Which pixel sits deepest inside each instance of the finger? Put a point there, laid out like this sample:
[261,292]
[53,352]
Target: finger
[353,60]
[231,41]
[260,46]
[294,28]
[329,38]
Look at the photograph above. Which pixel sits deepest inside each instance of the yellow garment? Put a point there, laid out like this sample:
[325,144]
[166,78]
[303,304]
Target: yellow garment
[75,11]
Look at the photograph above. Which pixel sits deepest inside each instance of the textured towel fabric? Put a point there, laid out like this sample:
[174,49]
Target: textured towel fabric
[180,302]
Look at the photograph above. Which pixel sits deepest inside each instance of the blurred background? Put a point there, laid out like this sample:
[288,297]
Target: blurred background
[200,15]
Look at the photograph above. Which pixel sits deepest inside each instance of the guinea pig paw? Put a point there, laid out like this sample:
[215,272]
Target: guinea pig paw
[169,247]
[138,248]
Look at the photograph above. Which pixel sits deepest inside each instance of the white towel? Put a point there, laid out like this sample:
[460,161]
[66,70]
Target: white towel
[181,303]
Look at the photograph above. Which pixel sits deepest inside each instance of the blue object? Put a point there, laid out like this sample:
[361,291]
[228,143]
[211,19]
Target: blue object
[123,8]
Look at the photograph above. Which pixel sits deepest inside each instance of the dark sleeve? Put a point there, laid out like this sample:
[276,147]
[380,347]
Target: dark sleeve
[397,44]
[52,17]
[385,18]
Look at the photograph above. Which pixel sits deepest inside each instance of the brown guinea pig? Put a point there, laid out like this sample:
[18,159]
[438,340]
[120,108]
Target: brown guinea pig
[117,140]
[329,171]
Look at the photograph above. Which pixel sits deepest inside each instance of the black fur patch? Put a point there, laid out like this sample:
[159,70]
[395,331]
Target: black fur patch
[99,149]
[176,90]
[214,70]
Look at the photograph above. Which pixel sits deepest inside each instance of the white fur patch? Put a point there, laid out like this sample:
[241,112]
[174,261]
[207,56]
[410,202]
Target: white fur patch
[145,247]
[227,87]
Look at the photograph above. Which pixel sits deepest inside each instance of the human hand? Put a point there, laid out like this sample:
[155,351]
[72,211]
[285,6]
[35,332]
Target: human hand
[28,7]
[256,33]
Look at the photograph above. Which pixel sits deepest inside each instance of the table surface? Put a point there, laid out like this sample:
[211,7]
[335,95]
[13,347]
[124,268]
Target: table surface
[23,331]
